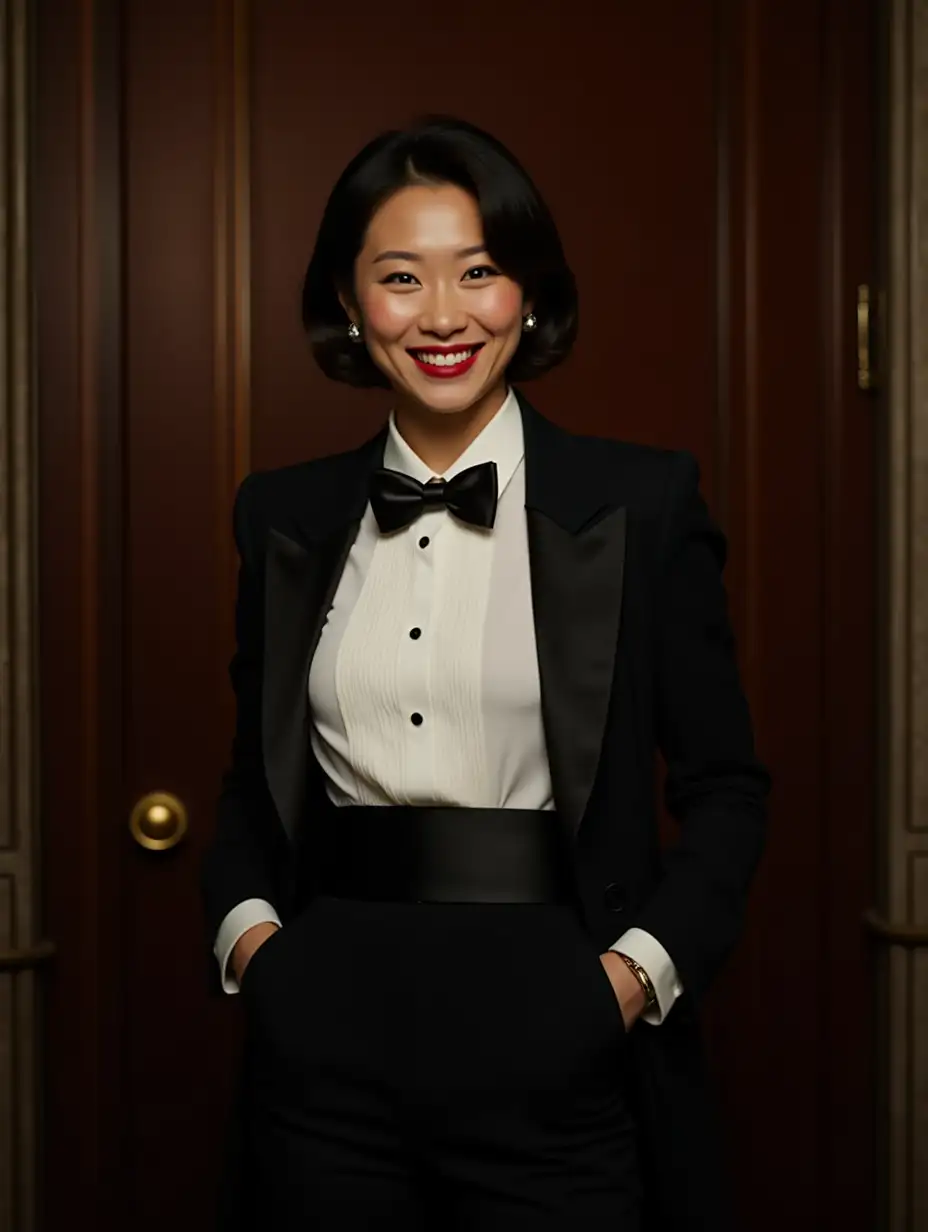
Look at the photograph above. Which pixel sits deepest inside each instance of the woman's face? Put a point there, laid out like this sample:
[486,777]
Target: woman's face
[438,318]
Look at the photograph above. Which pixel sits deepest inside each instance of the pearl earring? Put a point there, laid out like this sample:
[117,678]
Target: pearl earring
[529,323]
[354,333]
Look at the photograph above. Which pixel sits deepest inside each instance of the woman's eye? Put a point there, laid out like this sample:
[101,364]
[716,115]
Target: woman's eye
[478,272]
[400,279]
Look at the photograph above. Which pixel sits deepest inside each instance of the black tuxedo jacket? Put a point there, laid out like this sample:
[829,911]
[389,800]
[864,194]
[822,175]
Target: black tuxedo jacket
[635,655]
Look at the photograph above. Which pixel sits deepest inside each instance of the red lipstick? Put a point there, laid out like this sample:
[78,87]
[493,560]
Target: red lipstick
[444,371]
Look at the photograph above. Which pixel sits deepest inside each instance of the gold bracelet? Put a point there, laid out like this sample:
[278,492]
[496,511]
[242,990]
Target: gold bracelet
[650,996]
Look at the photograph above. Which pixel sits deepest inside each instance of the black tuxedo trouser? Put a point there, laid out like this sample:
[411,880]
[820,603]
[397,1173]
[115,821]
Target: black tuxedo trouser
[452,1066]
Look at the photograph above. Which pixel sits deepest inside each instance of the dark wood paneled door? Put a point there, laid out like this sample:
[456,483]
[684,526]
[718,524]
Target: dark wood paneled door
[710,166]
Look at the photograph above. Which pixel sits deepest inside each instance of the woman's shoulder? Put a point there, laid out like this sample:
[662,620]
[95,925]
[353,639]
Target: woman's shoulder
[633,473]
[644,477]
[300,485]
[263,487]
[302,497]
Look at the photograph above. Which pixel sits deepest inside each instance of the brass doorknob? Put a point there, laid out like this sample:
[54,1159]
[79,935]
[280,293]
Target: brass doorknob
[158,821]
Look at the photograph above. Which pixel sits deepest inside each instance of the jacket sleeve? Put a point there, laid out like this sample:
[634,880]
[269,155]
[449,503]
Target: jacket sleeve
[715,786]
[241,860]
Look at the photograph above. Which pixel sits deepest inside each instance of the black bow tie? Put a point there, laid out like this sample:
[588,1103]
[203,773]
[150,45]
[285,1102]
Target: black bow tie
[398,499]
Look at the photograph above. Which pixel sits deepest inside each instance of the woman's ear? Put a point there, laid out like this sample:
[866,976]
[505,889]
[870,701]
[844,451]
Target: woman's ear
[350,307]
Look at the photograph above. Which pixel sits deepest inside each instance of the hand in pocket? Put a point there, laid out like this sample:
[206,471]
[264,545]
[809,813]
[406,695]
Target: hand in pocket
[628,992]
[248,945]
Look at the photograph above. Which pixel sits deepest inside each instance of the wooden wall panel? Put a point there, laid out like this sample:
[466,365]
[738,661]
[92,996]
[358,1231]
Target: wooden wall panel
[78,226]
[797,218]
[186,448]
[773,477]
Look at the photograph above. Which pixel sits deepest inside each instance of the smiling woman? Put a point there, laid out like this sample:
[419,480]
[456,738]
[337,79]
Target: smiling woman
[429,316]
[438,637]
[407,218]
[438,252]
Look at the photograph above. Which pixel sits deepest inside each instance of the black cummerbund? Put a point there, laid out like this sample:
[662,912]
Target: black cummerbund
[443,855]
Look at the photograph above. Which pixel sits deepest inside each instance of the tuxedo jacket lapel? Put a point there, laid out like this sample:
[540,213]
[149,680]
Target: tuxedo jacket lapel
[300,585]
[303,569]
[576,540]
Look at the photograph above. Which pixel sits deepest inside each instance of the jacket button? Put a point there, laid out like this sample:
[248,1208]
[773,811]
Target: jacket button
[614,897]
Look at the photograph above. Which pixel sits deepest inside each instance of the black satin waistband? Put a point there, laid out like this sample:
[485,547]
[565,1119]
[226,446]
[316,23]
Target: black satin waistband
[443,855]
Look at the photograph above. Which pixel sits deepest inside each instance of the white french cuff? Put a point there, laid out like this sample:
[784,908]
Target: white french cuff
[246,915]
[648,952]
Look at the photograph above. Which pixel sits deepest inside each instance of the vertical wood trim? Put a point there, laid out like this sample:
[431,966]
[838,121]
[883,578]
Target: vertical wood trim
[18,610]
[750,302]
[723,45]
[102,804]
[221,254]
[737,74]
[89,436]
[905,625]
[20,395]
[7,532]
[738,306]
[241,196]
[79,289]
[830,464]
[232,274]
[848,632]
[232,278]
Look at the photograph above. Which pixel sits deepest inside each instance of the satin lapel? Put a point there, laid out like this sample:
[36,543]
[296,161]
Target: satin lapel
[303,569]
[576,541]
[299,589]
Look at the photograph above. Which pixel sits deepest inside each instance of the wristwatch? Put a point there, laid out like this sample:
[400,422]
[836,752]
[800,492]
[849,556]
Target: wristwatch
[650,996]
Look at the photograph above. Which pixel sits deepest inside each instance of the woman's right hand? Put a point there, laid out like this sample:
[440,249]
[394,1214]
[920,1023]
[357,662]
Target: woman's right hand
[248,945]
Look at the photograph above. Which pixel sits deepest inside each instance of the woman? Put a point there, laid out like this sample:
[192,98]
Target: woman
[459,648]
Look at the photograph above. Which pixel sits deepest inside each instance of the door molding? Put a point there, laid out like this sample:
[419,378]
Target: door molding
[21,949]
[904,638]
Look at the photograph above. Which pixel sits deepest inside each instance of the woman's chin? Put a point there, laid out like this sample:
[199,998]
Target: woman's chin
[454,399]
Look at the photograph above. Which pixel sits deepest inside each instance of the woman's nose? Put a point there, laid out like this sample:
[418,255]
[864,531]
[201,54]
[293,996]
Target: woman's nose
[443,314]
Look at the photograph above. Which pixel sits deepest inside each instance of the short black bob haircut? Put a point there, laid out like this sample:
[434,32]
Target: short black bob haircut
[519,231]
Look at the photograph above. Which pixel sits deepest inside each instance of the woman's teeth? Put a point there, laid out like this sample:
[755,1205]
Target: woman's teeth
[444,361]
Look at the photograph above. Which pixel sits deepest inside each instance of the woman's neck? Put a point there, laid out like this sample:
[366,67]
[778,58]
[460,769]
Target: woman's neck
[440,439]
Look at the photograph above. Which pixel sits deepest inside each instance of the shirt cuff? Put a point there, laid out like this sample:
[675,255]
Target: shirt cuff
[648,952]
[246,915]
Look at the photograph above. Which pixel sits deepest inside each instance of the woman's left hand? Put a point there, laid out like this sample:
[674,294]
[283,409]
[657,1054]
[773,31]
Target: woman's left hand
[629,993]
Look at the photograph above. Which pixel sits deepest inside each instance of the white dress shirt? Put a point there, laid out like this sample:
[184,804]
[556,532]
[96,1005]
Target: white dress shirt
[424,688]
